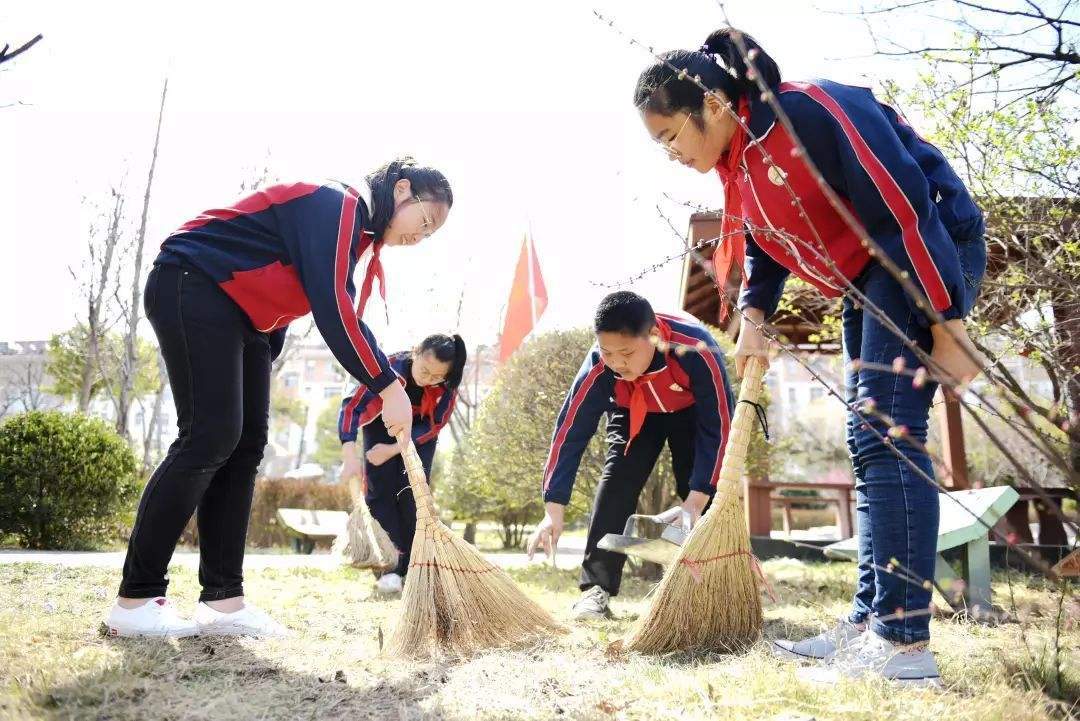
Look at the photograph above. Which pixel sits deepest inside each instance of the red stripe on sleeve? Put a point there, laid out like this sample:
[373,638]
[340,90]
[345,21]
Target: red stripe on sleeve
[341,270]
[568,422]
[350,411]
[721,399]
[894,198]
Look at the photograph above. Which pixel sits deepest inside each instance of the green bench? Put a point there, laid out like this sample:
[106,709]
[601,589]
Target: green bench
[965,518]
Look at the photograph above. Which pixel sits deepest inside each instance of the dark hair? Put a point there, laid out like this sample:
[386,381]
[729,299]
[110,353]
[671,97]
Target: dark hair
[719,65]
[447,349]
[427,184]
[624,312]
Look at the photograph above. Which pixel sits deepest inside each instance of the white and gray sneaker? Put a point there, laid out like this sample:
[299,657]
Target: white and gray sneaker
[156,618]
[248,621]
[871,656]
[817,648]
[389,584]
[593,604]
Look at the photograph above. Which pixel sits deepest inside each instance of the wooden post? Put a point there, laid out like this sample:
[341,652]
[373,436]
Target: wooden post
[952,442]
[758,506]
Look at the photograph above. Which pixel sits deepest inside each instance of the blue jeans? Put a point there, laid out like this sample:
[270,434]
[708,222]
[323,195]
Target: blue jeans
[895,507]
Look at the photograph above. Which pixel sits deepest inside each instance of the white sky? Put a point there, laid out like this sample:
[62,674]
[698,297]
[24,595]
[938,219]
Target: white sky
[525,106]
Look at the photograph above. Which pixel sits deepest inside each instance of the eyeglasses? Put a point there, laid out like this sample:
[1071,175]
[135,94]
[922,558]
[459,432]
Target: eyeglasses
[427,218]
[669,145]
[427,375]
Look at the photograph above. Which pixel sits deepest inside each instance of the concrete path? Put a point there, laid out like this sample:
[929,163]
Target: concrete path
[570,555]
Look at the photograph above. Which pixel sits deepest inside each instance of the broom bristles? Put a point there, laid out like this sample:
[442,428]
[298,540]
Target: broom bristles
[708,598]
[455,602]
[364,543]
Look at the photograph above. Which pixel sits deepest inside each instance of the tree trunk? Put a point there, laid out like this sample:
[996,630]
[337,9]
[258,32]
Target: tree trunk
[303,438]
[130,364]
[1067,328]
[470,533]
[96,300]
[151,439]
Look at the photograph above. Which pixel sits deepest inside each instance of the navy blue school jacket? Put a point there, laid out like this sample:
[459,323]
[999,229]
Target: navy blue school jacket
[675,380]
[285,251]
[899,186]
[432,405]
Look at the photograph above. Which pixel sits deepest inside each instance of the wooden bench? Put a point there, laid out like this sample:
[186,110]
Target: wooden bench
[965,518]
[786,503]
[307,526]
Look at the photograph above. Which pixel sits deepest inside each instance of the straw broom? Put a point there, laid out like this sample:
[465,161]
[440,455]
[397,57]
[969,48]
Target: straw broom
[708,599]
[364,543]
[455,602]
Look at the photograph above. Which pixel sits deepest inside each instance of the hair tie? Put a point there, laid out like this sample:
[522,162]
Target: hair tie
[719,60]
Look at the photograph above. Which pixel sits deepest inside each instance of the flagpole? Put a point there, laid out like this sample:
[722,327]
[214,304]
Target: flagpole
[530,258]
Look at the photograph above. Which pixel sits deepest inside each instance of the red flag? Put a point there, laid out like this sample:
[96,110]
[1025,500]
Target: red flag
[528,299]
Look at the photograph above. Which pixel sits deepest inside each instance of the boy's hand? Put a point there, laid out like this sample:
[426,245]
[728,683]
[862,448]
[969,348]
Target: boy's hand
[546,535]
[693,506]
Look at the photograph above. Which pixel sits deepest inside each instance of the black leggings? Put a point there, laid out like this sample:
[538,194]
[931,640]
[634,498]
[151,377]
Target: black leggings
[219,369]
[623,479]
[389,497]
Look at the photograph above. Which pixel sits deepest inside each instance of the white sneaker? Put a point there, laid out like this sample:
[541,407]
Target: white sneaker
[873,656]
[593,604]
[248,621]
[389,584]
[817,648]
[156,618]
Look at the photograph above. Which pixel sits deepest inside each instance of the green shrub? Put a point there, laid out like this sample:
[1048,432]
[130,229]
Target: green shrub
[67,481]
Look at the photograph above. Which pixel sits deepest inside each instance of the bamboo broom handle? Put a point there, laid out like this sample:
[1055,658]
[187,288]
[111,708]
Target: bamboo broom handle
[414,467]
[738,441]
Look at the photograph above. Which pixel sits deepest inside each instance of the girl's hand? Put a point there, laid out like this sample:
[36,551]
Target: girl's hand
[752,341]
[351,467]
[957,359]
[381,453]
[352,470]
[397,411]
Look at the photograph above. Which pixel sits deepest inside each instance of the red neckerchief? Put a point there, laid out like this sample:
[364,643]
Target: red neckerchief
[731,250]
[374,270]
[428,402]
[639,407]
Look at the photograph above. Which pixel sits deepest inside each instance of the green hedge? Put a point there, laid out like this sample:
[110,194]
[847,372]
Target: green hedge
[67,481]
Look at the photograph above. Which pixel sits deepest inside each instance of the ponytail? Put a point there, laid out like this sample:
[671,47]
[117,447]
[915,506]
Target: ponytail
[447,349]
[719,65]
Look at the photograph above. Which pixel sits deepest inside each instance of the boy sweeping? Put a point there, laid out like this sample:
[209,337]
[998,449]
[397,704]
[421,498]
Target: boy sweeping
[661,380]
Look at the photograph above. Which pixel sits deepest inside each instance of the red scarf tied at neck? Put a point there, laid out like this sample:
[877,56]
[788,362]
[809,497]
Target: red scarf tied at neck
[374,270]
[429,401]
[639,407]
[731,250]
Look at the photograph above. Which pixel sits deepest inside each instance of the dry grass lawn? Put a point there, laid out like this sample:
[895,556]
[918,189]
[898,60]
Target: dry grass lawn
[55,664]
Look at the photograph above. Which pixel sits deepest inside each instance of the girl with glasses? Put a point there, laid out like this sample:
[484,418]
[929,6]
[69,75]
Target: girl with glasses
[220,297]
[430,375]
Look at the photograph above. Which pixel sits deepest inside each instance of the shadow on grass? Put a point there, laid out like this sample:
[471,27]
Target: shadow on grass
[227,678]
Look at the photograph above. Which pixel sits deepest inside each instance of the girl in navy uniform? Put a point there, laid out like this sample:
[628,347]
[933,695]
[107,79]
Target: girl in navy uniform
[220,297]
[430,375]
[907,198]
[652,395]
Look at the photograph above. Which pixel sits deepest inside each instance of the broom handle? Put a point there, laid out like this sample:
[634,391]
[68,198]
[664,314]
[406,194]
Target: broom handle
[738,441]
[414,467]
